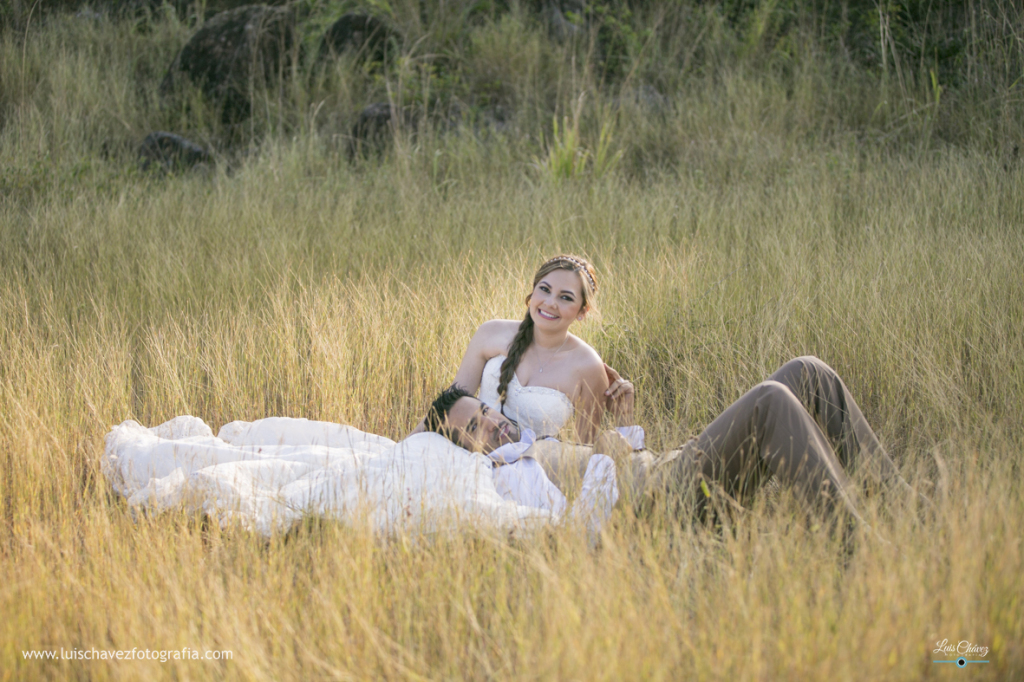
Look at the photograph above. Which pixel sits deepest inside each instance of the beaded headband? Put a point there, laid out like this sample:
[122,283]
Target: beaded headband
[579,265]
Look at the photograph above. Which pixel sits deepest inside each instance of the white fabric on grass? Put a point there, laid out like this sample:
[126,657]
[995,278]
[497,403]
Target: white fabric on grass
[265,475]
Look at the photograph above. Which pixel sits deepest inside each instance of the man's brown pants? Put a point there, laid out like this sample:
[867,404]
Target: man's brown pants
[801,426]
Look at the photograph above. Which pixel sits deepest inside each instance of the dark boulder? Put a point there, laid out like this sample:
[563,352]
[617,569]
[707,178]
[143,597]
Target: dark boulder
[170,152]
[365,36]
[375,129]
[234,53]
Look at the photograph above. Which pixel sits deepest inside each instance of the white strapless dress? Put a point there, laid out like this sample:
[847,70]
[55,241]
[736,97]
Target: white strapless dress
[265,475]
[545,411]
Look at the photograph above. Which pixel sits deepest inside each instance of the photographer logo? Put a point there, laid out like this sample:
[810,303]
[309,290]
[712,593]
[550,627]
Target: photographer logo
[958,652]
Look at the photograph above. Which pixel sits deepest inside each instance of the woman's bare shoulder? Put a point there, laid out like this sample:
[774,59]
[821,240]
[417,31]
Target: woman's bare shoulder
[585,357]
[496,335]
[588,368]
[498,326]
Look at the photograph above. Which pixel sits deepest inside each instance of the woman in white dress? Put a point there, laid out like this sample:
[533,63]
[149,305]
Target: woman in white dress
[535,371]
[545,379]
[267,474]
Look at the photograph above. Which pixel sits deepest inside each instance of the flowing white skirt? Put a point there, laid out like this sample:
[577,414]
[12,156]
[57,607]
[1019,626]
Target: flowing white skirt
[265,475]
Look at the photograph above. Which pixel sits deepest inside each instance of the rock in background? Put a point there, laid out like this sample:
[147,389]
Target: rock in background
[170,152]
[232,55]
[376,127]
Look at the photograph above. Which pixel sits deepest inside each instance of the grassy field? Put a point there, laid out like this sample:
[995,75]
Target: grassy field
[757,215]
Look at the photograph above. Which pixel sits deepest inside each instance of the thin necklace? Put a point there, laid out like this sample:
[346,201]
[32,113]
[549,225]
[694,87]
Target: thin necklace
[541,370]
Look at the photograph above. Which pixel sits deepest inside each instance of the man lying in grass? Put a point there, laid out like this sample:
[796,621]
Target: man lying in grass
[801,426]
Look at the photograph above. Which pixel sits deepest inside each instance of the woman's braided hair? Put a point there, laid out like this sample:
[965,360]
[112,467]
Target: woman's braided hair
[524,336]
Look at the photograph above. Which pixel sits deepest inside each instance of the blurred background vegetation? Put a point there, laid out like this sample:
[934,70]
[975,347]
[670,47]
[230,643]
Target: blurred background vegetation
[907,76]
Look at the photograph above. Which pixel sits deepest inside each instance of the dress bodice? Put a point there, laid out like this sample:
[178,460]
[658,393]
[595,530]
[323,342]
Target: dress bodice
[541,409]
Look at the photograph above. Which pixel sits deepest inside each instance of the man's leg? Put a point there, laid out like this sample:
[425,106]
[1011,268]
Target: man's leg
[766,432]
[825,396]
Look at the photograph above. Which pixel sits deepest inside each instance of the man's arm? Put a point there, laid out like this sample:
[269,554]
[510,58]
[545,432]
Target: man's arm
[614,445]
[564,463]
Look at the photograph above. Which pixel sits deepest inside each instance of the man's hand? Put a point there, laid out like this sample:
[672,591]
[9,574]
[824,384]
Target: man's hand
[612,443]
[619,397]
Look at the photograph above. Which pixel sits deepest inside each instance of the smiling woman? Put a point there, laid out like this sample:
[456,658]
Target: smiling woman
[536,372]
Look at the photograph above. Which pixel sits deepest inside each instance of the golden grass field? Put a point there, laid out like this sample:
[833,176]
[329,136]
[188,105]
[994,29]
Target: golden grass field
[300,285]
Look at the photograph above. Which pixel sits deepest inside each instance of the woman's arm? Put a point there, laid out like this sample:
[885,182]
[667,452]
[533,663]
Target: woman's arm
[485,344]
[590,401]
[620,397]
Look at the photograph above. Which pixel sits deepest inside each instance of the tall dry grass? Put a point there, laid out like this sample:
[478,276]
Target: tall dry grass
[297,284]
[350,299]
